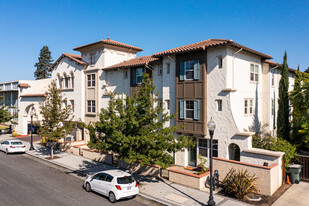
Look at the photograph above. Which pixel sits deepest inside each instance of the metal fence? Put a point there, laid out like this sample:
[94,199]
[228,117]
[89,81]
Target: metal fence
[304,161]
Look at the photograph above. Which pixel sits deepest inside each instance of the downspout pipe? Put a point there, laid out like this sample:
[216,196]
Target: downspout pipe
[274,118]
[233,86]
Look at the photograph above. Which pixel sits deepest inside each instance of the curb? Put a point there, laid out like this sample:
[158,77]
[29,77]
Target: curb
[84,174]
[154,199]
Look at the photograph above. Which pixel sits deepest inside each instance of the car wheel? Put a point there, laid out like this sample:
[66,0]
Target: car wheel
[88,187]
[6,151]
[111,197]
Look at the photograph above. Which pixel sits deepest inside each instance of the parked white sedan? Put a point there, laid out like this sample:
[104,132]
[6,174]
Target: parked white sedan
[115,184]
[12,146]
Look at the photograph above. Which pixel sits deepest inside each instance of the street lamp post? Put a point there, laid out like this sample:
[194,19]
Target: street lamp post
[31,116]
[211,127]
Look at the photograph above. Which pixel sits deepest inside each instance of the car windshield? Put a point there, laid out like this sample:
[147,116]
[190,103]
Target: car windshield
[16,143]
[125,180]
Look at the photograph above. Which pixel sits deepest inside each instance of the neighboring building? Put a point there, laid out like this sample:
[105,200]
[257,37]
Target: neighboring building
[23,95]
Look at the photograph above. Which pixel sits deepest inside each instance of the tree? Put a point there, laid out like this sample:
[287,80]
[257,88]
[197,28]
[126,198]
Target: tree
[307,70]
[300,103]
[56,119]
[283,123]
[45,61]
[133,129]
[5,115]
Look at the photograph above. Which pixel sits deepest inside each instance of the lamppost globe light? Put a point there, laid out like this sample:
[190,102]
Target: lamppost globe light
[211,125]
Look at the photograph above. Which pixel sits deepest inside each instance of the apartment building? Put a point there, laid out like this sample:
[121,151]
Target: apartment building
[216,78]
[23,96]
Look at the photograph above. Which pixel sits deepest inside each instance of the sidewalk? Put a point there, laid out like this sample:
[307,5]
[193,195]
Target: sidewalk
[159,190]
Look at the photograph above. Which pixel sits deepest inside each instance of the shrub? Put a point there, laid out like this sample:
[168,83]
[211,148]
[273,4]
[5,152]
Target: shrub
[202,166]
[279,144]
[239,184]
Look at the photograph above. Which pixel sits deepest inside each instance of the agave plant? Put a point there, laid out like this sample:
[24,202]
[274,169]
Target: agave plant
[239,184]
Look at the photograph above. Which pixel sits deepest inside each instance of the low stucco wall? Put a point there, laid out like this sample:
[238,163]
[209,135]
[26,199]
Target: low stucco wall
[108,159]
[267,182]
[191,180]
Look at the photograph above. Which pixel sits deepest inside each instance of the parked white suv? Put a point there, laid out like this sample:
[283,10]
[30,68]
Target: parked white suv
[115,184]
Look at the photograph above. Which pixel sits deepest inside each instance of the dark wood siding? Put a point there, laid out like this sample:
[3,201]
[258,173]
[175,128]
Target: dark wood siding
[192,90]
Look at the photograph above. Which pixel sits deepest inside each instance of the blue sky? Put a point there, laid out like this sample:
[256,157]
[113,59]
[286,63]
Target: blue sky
[270,27]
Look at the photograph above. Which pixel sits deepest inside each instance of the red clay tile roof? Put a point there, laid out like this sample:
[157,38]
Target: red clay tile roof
[33,95]
[109,42]
[23,85]
[139,61]
[206,44]
[275,63]
[75,57]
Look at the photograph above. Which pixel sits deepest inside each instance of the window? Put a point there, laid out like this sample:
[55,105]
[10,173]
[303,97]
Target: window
[203,147]
[125,74]
[65,103]
[272,107]
[189,109]
[254,73]
[168,68]
[66,81]
[72,81]
[91,106]
[248,106]
[272,78]
[72,104]
[138,76]
[220,62]
[219,103]
[91,80]
[160,70]
[167,104]
[215,148]
[92,59]
[125,180]
[189,70]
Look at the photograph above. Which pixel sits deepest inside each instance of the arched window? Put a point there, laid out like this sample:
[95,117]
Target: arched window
[59,80]
[66,81]
[72,80]
[234,152]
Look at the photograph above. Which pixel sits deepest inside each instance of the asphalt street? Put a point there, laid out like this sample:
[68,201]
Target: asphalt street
[29,182]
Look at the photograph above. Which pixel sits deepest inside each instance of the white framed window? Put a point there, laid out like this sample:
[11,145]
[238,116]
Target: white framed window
[219,104]
[189,70]
[219,58]
[215,148]
[125,74]
[168,68]
[160,70]
[273,78]
[254,73]
[91,106]
[203,147]
[248,107]
[91,80]
[92,59]
[167,104]
[189,109]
